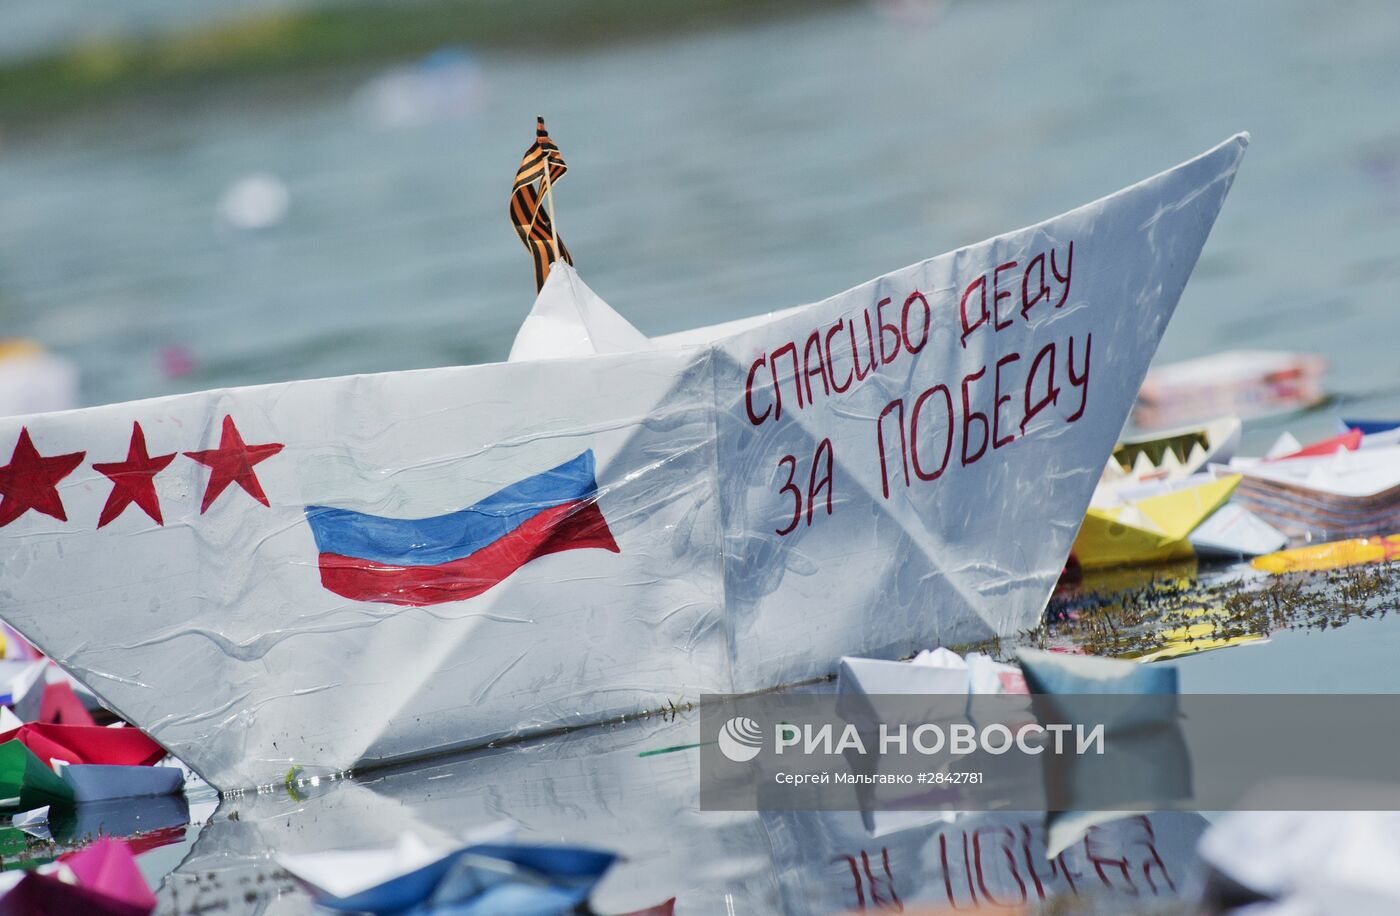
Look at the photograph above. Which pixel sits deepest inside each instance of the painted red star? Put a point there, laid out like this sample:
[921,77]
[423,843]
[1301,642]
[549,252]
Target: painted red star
[232,462]
[134,480]
[30,481]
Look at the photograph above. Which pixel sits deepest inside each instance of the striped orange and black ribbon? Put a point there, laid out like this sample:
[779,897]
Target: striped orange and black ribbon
[532,222]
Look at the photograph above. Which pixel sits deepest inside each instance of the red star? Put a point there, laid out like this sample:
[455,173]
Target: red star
[232,462]
[30,481]
[133,480]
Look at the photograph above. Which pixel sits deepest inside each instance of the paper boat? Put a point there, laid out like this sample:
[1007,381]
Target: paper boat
[1151,467]
[27,782]
[1232,531]
[102,879]
[1369,427]
[936,671]
[93,782]
[1348,441]
[1249,383]
[1062,686]
[475,879]
[1152,528]
[88,744]
[1329,495]
[337,573]
[1167,456]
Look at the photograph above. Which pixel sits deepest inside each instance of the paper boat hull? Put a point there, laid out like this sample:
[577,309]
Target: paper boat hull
[902,465]
[96,782]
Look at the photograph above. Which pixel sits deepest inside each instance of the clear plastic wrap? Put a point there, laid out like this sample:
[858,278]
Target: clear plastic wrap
[335,572]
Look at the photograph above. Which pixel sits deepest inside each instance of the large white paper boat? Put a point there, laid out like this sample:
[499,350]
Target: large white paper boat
[334,573]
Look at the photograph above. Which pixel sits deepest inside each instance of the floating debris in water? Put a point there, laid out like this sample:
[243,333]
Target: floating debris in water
[1173,615]
[444,85]
[1332,555]
[258,201]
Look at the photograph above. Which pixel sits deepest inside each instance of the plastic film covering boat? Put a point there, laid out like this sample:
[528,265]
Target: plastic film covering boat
[332,573]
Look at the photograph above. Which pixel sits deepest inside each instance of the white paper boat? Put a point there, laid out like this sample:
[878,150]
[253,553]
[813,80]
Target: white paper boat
[935,671]
[1249,383]
[342,874]
[1233,531]
[335,573]
[1348,493]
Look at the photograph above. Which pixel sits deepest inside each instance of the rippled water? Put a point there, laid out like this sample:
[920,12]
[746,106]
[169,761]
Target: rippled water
[713,176]
[632,788]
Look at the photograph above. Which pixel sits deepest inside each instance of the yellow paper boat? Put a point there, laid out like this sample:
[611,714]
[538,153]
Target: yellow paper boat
[1150,530]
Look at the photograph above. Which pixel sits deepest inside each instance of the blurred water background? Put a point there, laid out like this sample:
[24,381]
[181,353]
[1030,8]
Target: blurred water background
[717,170]
[35,28]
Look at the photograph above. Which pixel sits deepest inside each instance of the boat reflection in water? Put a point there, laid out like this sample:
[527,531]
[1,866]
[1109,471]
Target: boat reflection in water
[634,788]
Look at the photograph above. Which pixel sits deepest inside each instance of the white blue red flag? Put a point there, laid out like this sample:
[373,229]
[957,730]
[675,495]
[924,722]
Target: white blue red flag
[420,561]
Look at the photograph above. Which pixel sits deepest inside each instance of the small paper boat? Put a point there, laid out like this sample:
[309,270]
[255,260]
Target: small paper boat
[26,782]
[1248,383]
[1168,456]
[1156,524]
[102,879]
[338,573]
[71,744]
[476,877]
[1347,492]
[935,671]
[93,782]
[1232,531]
[1370,427]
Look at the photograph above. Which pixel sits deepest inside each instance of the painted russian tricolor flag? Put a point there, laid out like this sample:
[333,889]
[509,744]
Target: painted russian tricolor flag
[450,557]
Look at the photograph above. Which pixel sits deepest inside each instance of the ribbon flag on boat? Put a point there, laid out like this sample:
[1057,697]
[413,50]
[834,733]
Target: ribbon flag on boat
[540,169]
[340,572]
